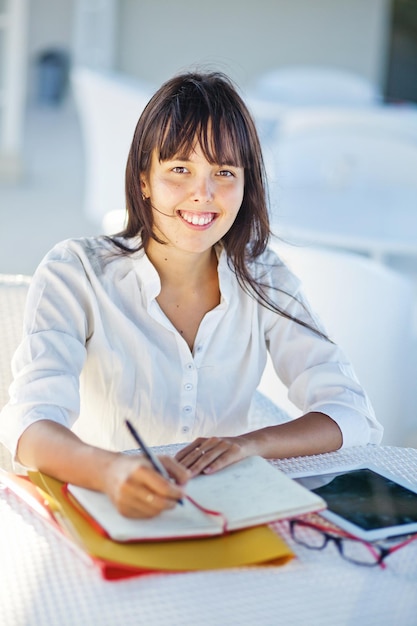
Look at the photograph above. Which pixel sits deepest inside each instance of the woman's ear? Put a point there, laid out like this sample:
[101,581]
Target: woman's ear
[144,188]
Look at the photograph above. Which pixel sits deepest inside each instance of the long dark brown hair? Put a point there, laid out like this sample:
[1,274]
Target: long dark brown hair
[204,107]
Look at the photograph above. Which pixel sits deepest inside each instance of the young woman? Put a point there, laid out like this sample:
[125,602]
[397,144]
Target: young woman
[169,322]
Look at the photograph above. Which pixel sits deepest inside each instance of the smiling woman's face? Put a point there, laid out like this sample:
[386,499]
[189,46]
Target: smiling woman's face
[194,202]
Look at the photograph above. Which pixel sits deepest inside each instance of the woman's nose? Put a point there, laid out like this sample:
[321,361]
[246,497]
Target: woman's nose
[203,190]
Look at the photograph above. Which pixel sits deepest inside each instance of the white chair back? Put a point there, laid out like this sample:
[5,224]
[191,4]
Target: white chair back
[346,181]
[109,107]
[346,155]
[316,86]
[399,120]
[367,309]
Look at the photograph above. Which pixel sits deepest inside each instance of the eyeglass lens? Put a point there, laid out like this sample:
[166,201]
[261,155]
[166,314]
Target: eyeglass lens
[350,549]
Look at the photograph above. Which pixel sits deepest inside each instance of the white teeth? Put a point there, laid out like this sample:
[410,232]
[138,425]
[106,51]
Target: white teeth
[193,218]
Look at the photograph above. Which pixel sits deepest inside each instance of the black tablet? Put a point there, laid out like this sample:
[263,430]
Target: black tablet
[366,501]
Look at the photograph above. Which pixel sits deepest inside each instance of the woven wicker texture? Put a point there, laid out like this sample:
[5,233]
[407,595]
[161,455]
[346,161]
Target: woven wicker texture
[13,290]
[46,583]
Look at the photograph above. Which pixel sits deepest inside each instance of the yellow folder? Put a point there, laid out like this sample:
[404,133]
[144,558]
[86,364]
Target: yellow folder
[254,546]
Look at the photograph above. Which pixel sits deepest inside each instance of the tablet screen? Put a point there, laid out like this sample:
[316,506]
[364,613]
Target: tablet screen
[365,498]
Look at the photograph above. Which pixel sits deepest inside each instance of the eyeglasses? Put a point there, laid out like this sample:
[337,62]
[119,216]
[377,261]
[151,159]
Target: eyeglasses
[353,549]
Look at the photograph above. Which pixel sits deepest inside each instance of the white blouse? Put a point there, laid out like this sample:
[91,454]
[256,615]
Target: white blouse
[97,349]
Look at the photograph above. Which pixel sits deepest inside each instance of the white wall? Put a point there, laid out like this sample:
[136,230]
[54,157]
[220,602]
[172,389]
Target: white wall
[13,32]
[50,26]
[157,38]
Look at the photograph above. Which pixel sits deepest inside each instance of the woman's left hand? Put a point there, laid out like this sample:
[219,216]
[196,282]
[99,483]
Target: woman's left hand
[206,456]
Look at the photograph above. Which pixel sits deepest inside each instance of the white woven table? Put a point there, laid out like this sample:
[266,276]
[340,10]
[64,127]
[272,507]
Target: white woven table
[44,582]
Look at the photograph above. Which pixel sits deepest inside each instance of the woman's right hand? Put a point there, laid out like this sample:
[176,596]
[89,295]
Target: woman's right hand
[134,487]
[137,490]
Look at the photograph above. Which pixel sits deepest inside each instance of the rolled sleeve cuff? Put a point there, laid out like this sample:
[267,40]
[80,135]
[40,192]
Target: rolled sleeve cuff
[357,429]
[16,424]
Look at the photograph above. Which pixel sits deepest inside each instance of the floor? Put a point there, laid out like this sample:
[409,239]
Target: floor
[47,204]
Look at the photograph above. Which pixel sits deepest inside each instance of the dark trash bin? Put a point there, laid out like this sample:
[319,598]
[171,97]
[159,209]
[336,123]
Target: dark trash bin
[53,69]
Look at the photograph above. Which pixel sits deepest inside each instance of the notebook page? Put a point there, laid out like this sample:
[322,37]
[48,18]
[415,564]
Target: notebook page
[252,491]
[183,521]
[247,493]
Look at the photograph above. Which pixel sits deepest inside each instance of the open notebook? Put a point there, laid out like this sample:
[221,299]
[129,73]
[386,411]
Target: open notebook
[114,559]
[245,494]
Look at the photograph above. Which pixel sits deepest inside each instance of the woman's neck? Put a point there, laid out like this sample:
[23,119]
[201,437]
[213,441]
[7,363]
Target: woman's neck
[189,287]
[179,267]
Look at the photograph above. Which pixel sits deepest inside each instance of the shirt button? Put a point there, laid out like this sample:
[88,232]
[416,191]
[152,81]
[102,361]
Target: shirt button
[199,348]
[187,409]
[188,387]
[185,429]
[189,366]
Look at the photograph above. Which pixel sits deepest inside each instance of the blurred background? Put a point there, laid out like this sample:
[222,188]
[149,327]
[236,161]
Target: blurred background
[42,154]
[332,85]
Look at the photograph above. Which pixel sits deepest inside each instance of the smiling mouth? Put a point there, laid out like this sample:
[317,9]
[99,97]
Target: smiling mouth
[197,219]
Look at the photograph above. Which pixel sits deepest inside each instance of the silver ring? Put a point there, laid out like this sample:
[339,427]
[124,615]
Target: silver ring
[202,451]
[149,498]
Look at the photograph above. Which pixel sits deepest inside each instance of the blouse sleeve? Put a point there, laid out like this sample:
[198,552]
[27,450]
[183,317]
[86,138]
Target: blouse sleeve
[50,357]
[317,373]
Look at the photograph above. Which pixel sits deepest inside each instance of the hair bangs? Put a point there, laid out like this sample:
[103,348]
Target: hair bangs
[223,139]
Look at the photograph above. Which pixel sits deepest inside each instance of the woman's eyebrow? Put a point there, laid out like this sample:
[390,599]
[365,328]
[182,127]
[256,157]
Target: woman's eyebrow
[181,157]
[229,161]
[175,157]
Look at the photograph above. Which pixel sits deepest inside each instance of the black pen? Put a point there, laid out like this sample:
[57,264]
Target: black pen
[152,458]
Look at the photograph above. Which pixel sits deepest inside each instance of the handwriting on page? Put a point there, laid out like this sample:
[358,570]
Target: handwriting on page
[251,489]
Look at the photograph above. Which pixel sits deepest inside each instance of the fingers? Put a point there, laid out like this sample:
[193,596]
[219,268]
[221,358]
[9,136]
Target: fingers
[138,501]
[190,448]
[210,455]
[139,491]
[177,471]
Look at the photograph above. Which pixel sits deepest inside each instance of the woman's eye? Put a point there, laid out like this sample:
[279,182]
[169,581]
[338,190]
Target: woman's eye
[225,173]
[179,169]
